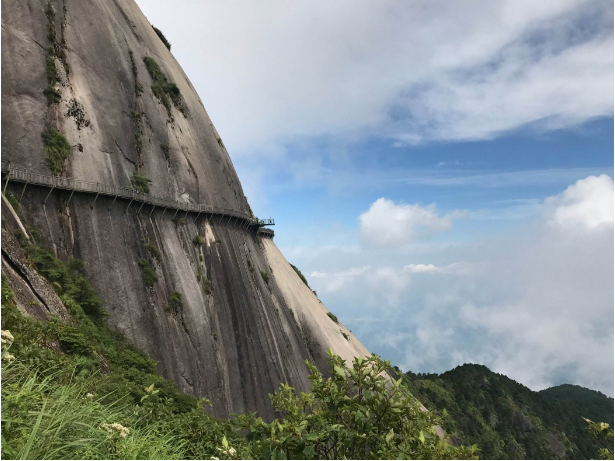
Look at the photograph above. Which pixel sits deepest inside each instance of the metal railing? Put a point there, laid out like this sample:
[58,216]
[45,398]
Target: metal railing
[56,182]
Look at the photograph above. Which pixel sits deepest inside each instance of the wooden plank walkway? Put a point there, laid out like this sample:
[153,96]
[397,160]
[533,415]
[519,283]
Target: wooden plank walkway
[21,175]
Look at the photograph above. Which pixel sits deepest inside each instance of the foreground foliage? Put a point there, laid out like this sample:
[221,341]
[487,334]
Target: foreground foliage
[357,413]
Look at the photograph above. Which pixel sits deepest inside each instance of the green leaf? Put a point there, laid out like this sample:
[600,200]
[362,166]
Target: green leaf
[309,452]
[422,437]
[224,442]
[390,436]
[339,371]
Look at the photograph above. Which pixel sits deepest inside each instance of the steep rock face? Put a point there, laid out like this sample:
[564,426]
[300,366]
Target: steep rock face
[235,338]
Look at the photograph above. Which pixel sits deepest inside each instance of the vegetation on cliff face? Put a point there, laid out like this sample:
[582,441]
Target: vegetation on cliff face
[303,279]
[57,149]
[165,91]
[162,37]
[509,421]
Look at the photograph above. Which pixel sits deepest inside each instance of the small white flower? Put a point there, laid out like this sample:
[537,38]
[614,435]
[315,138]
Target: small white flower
[116,427]
[213,457]
[7,337]
[8,357]
[231,451]
[89,395]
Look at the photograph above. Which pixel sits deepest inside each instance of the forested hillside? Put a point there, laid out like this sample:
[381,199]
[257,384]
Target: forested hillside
[509,421]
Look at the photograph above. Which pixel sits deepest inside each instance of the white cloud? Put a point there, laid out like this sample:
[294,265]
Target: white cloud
[386,224]
[588,202]
[430,268]
[413,71]
[536,304]
[334,281]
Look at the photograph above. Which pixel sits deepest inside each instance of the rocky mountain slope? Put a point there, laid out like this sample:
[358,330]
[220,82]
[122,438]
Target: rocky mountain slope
[90,92]
[509,421]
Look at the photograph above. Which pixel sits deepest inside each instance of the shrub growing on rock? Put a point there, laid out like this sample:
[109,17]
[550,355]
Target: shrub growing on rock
[57,149]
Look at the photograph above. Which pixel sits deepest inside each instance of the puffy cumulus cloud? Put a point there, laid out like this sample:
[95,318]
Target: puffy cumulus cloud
[588,203]
[412,71]
[535,304]
[386,224]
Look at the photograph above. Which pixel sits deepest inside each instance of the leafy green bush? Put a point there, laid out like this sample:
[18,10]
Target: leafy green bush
[332,316]
[355,414]
[149,276]
[162,37]
[57,149]
[178,220]
[162,88]
[140,183]
[265,277]
[175,304]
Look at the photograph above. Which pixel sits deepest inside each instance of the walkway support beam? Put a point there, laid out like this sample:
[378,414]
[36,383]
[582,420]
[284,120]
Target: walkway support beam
[52,187]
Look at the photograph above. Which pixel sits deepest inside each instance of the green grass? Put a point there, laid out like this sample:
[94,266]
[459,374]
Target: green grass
[166,92]
[149,276]
[265,277]
[51,71]
[56,402]
[57,149]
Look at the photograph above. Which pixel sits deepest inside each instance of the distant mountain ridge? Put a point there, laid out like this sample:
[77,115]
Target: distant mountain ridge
[509,421]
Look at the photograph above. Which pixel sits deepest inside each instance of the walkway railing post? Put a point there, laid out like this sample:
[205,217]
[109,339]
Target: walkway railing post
[150,213]
[24,186]
[50,191]
[131,200]
[139,210]
[164,211]
[8,176]
[97,192]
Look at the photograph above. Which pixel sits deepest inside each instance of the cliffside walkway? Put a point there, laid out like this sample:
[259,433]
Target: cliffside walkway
[21,175]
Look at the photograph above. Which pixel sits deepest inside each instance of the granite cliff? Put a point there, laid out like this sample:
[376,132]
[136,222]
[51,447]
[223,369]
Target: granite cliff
[97,75]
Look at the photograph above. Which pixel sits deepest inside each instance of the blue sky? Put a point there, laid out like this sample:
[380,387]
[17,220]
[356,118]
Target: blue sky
[441,172]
